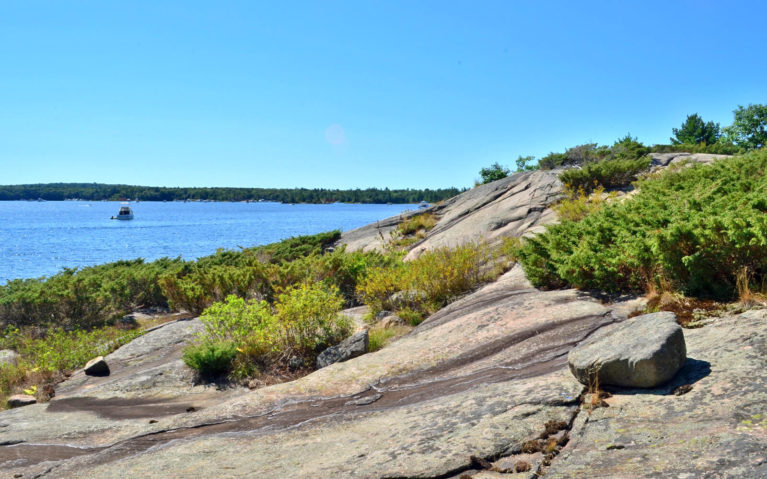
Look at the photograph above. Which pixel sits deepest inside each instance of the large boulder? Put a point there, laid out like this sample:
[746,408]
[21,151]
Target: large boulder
[353,346]
[8,356]
[645,351]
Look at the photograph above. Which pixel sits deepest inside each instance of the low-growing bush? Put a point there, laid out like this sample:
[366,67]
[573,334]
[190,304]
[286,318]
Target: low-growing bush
[718,148]
[298,247]
[578,204]
[626,148]
[93,296]
[308,319]
[210,358]
[84,297]
[424,221]
[196,287]
[696,227]
[301,323]
[607,174]
[420,287]
[47,355]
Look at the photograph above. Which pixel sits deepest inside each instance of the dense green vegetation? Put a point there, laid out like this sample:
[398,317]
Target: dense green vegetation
[493,172]
[97,295]
[59,323]
[749,128]
[608,173]
[87,297]
[265,309]
[46,357]
[96,192]
[694,131]
[249,337]
[695,229]
[626,148]
[418,288]
[255,333]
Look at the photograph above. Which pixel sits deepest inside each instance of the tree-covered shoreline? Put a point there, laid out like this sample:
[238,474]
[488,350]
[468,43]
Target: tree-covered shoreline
[100,191]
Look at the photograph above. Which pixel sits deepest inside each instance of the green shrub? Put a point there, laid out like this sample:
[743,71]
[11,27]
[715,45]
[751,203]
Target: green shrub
[379,337]
[195,287]
[210,359]
[608,174]
[308,319]
[87,297]
[719,148]
[695,228]
[298,247]
[493,172]
[626,148]
[50,354]
[578,204]
[422,286]
[235,319]
[303,321]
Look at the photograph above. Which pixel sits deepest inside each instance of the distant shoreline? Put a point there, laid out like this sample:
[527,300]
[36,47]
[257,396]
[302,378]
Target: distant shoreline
[107,192]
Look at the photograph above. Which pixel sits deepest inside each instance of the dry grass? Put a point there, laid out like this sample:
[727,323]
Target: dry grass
[380,336]
[410,231]
[422,222]
[578,203]
[746,297]
[594,397]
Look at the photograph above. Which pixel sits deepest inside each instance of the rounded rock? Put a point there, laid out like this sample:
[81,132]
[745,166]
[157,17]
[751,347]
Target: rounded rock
[644,352]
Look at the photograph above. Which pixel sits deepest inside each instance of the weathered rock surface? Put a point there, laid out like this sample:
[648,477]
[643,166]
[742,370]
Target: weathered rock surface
[480,377]
[513,206]
[19,400]
[8,356]
[96,367]
[351,347]
[716,429]
[644,352]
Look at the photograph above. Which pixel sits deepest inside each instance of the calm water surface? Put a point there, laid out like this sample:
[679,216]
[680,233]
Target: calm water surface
[40,238]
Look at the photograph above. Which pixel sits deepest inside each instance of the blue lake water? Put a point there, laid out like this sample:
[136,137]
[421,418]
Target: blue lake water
[40,238]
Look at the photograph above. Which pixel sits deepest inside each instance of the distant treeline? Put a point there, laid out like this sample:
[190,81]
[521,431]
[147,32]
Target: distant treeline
[98,191]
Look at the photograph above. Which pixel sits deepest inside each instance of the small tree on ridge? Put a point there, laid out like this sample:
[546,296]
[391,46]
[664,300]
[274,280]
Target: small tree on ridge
[695,131]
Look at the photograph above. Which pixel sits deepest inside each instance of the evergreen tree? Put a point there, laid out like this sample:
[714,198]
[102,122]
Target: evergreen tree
[695,131]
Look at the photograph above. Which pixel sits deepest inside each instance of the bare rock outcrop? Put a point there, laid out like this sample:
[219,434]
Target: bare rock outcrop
[481,377]
[709,421]
[512,206]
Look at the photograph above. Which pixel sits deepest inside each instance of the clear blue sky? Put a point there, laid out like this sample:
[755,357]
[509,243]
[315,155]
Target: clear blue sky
[354,93]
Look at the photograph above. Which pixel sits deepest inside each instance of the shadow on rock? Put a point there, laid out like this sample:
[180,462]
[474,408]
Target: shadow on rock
[692,371]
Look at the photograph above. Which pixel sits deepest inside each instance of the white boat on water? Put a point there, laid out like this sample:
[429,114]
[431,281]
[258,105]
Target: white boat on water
[125,213]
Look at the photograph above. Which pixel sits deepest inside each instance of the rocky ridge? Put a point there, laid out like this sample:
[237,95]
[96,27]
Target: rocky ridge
[475,390]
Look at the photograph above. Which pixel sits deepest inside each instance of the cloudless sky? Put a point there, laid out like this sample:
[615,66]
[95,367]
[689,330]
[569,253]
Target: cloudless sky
[345,94]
